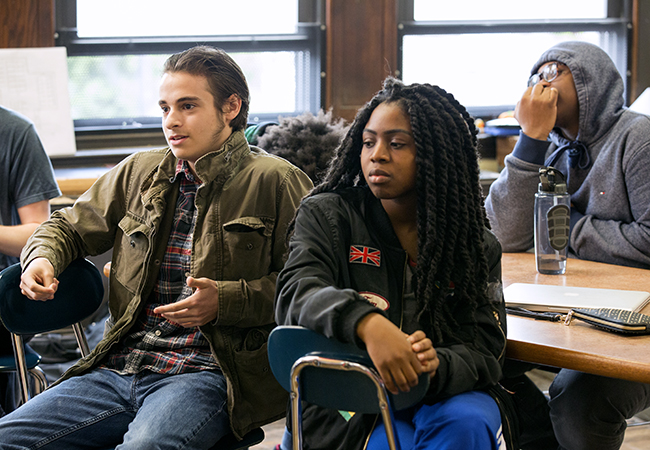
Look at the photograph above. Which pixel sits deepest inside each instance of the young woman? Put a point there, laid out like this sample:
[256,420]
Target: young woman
[392,251]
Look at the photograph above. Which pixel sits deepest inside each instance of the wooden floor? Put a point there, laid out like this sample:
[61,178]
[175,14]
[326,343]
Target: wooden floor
[273,437]
[636,438]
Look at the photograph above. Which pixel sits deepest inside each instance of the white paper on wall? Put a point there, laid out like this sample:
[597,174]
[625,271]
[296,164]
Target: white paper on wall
[34,82]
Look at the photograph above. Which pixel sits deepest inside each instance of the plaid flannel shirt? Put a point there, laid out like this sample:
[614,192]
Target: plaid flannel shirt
[155,343]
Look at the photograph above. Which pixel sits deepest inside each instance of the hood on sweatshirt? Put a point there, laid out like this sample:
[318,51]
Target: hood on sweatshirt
[598,84]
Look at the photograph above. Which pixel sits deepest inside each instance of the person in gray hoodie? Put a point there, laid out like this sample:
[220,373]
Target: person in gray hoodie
[573,117]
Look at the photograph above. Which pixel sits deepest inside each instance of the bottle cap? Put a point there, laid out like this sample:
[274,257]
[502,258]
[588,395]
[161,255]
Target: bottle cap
[551,180]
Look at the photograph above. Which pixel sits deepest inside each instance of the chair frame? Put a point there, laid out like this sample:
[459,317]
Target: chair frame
[293,349]
[21,362]
[343,365]
[16,308]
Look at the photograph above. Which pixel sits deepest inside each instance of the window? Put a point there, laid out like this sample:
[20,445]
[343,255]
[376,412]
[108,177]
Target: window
[116,54]
[478,50]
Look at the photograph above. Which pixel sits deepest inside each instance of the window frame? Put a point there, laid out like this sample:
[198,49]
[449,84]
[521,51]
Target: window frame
[309,37]
[618,23]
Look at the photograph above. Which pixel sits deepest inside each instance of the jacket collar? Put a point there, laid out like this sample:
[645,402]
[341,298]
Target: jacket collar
[218,165]
[223,162]
[371,208]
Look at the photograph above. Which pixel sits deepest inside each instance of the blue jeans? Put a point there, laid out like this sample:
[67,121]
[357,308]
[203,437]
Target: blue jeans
[102,409]
[589,411]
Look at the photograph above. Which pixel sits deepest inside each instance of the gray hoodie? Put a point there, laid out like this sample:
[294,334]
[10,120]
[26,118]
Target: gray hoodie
[609,185]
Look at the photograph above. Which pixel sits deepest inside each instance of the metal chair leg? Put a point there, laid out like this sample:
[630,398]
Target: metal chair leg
[21,366]
[40,380]
[336,364]
[82,342]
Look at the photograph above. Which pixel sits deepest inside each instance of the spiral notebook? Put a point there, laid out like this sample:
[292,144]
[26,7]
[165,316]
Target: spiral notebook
[541,297]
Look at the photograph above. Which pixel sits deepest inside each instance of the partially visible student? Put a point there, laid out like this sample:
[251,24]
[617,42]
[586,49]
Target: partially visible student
[27,185]
[198,235]
[392,252]
[575,100]
[307,140]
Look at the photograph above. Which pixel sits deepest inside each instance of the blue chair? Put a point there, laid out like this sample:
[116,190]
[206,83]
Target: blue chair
[331,374]
[79,294]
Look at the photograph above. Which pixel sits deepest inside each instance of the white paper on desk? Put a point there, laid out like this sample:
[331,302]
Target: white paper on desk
[34,82]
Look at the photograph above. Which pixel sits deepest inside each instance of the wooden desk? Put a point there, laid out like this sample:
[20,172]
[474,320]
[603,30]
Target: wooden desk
[76,181]
[580,346]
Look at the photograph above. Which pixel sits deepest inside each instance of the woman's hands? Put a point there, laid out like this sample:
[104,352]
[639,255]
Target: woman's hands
[398,357]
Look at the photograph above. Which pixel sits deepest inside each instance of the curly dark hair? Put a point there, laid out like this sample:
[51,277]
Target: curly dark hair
[451,218]
[307,140]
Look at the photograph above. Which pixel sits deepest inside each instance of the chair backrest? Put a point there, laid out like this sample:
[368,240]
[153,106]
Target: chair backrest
[79,294]
[342,390]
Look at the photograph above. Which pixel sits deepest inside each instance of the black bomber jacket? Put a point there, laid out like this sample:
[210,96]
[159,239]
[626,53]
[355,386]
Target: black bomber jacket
[345,262]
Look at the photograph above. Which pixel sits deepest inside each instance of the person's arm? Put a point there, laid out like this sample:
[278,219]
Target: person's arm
[614,241]
[398,357]
[14,237]
[307,294]
[86,228]
[510,203]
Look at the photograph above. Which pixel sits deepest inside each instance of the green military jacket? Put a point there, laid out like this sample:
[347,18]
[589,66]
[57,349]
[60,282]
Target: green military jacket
[245,204]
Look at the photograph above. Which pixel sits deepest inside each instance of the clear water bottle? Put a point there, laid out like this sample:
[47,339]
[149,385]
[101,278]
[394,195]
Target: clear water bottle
[552,215]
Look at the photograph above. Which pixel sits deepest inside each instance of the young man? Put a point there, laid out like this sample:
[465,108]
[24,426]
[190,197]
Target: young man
[27,184]
[575,99]
[198,236]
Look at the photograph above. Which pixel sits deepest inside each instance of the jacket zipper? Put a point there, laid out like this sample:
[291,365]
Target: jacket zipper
[509,443]
[401,323]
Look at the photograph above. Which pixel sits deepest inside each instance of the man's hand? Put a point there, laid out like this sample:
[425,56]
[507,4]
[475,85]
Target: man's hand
[37,281]
[536,112]
[197,309]
[392,352]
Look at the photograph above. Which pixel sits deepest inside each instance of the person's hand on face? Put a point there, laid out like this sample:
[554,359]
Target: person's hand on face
[536,112]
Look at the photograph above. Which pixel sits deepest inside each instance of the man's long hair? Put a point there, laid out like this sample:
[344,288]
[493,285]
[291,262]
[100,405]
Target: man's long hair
[224,77]
[451,218]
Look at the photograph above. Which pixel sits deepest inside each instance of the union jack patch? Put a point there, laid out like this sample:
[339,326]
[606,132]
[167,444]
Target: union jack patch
[365,255]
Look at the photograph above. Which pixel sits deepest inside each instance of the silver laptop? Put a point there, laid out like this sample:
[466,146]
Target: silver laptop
[540,297]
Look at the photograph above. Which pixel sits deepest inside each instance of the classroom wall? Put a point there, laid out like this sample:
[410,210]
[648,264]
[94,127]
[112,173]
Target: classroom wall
[353,73]
[26,23]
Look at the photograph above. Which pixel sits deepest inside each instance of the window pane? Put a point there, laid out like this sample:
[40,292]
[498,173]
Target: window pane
[136,18]
[105,87]
[508,9]
[482,69]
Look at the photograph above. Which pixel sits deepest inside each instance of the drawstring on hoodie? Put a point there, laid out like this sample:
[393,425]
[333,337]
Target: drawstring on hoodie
[577,156]
[577,152]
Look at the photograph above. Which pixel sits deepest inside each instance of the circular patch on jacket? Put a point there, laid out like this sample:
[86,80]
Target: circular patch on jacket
[376,300]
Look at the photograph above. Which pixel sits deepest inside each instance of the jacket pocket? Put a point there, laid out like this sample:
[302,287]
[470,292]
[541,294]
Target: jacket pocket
[130,256]
[248,245]
[262,396]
